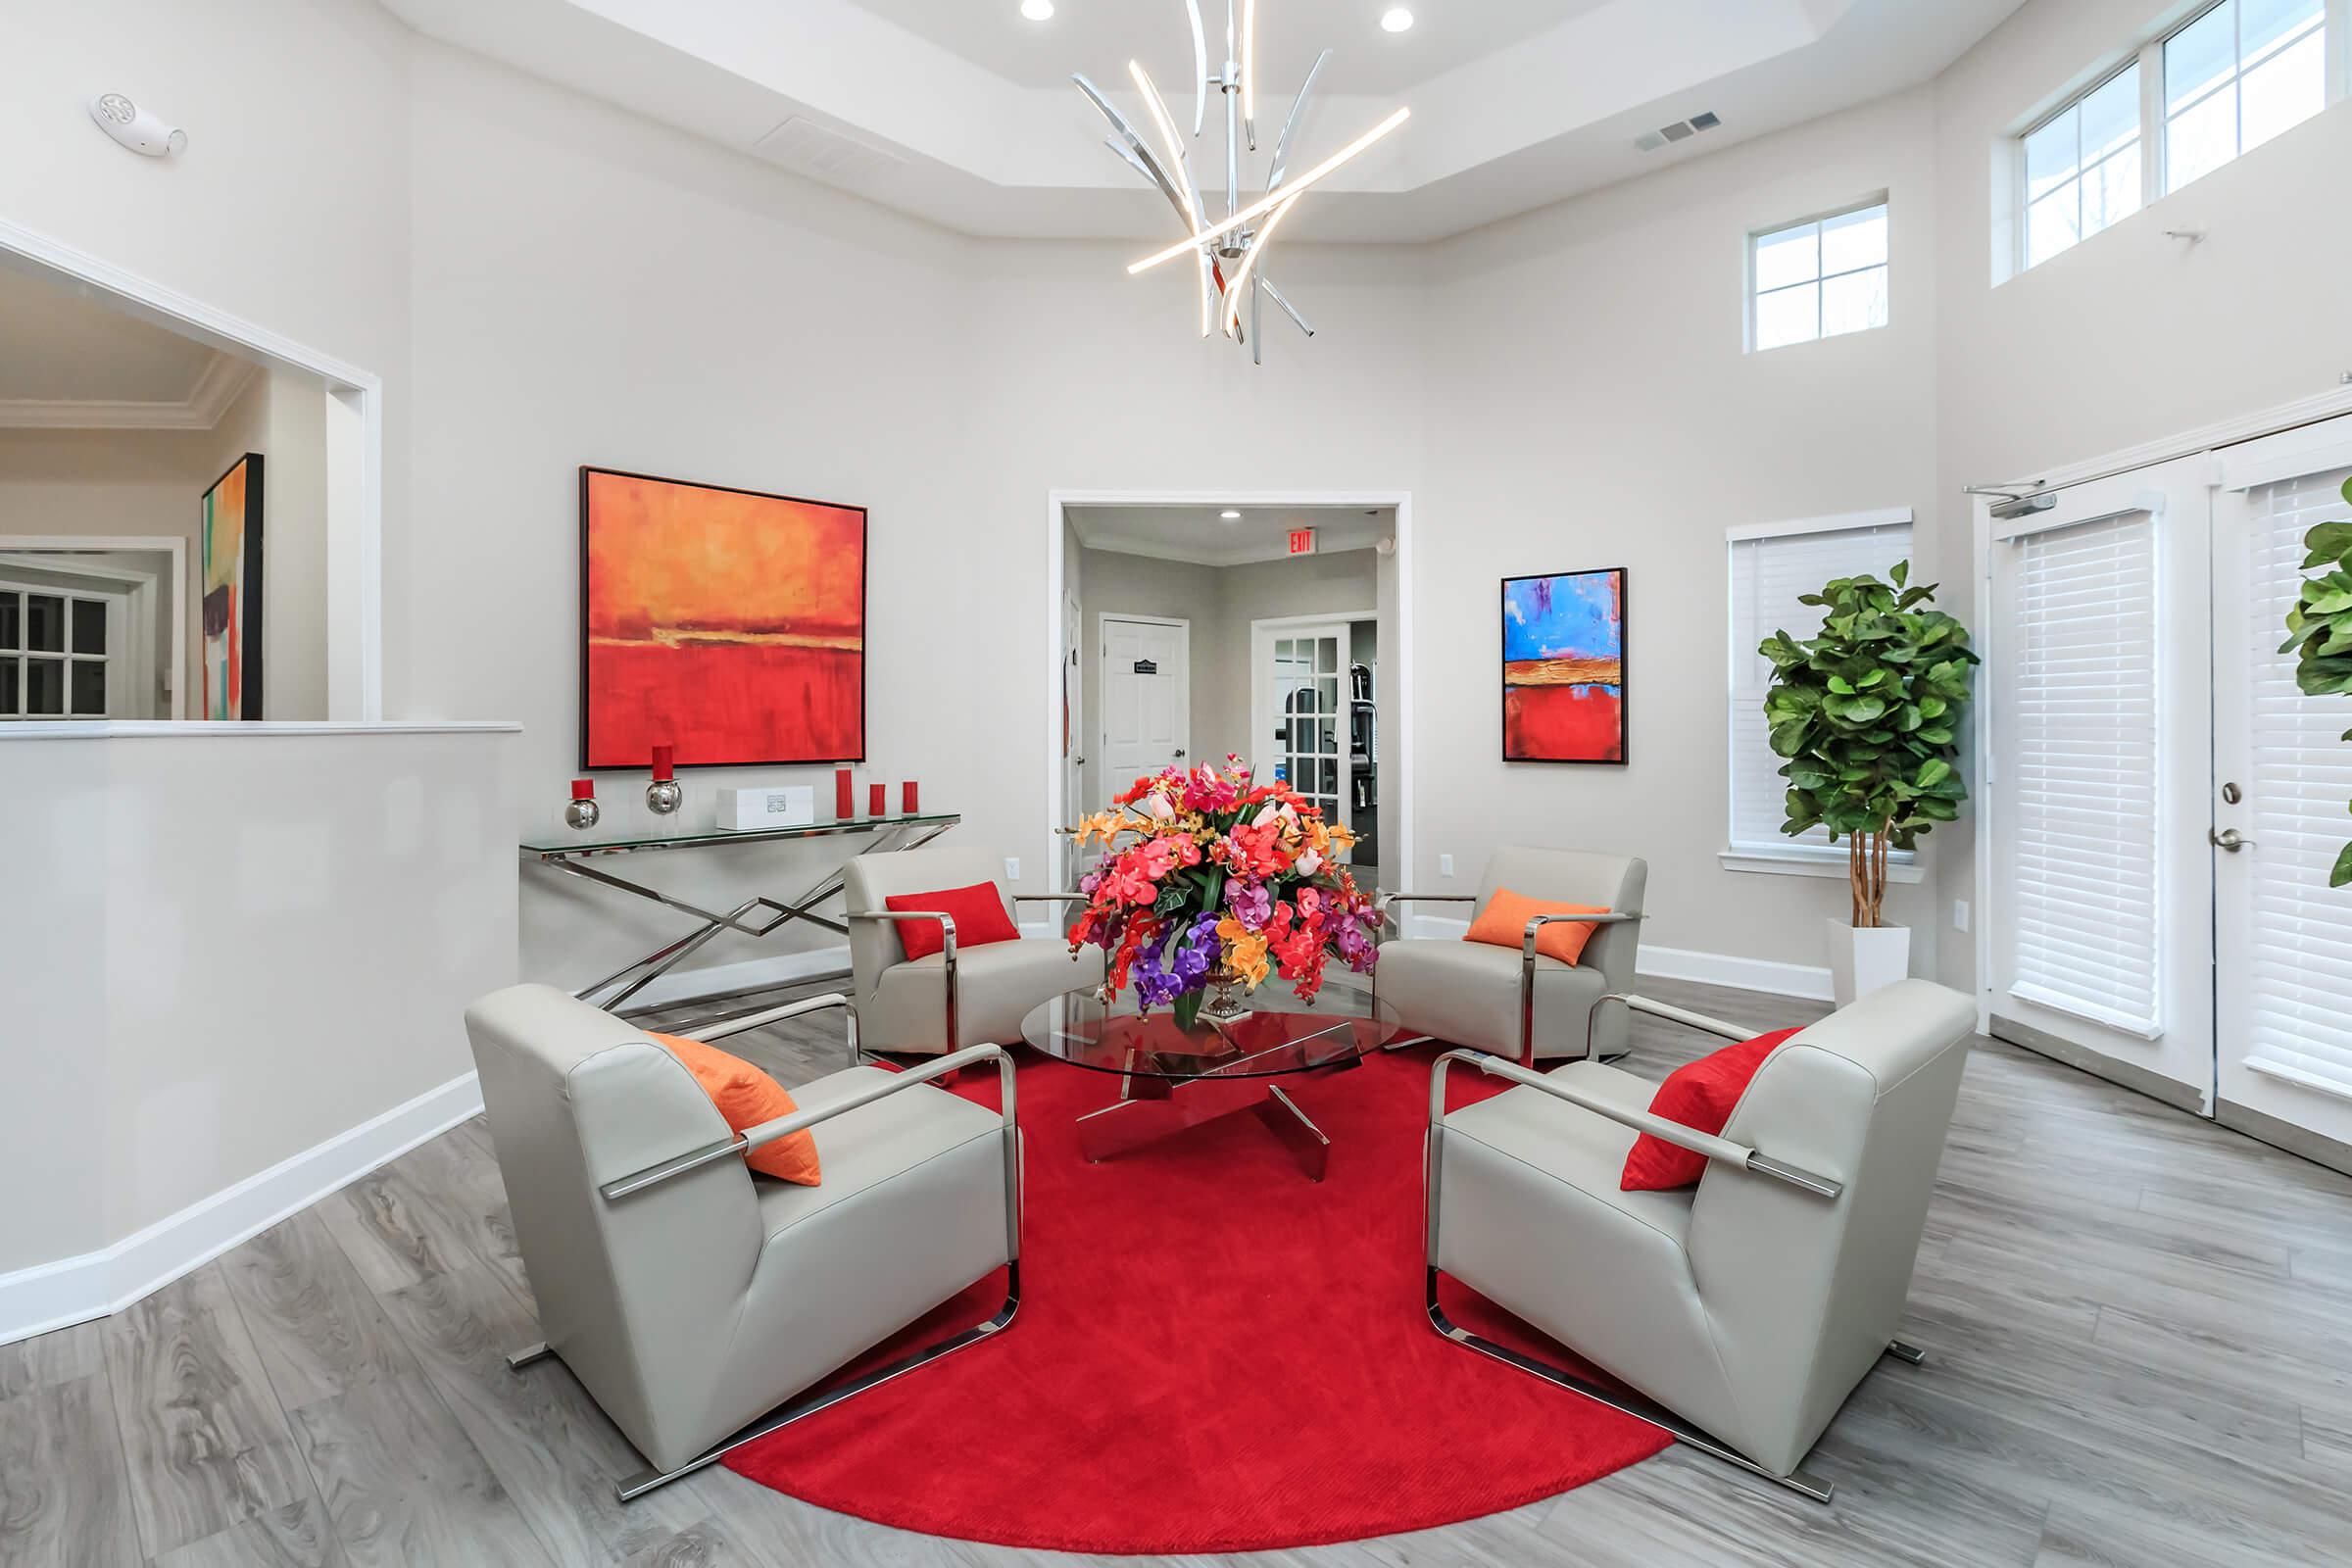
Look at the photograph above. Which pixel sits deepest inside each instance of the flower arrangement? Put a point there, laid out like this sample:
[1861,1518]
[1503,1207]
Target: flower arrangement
[1210,878]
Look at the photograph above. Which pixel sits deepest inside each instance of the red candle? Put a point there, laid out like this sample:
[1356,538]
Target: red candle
[583,789]
[844,803]
[907,798]
[664,762]
[877,799]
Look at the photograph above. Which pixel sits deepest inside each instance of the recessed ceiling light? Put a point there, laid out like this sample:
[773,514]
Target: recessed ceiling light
[1230,516]
[1038,10]
[1396,20]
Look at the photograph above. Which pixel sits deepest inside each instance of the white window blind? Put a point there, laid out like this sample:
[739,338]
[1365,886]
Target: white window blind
[2301,941]
[2081,748]
[1768,575]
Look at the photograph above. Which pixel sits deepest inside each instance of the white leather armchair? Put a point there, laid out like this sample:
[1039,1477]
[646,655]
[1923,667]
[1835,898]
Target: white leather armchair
[960,996]
[1522,1003]
[692,1299]
[1739,1314]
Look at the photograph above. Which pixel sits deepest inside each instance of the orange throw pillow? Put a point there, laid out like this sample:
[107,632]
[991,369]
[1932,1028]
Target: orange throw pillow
[747,1096]
[1503,922]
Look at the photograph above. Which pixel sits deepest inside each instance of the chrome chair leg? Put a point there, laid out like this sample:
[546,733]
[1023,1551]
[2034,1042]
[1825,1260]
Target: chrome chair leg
[645,1481]
[528,1354]
[1902,1351]
[1624,1399]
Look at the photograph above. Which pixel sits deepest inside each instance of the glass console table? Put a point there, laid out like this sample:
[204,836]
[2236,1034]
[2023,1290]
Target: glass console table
[757,916]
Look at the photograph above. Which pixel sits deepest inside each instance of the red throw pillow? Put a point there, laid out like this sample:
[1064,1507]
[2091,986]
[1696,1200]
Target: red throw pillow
[1701,1094]
[977,911]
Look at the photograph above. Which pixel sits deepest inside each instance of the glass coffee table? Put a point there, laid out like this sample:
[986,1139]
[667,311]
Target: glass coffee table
[1171,1079]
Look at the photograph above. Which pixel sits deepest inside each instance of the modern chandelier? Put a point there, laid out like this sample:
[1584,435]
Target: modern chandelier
[1227,253]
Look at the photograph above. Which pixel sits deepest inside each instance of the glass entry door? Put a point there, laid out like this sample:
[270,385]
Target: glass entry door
[1300,712]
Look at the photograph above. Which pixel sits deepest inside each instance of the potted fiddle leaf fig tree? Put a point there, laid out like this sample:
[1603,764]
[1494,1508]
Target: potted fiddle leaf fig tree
[2320,628]
[1868,715]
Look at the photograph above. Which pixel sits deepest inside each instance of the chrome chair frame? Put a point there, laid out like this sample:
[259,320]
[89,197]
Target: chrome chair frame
[616,1191]
[1527,967]
[1722,1150]
[947,927]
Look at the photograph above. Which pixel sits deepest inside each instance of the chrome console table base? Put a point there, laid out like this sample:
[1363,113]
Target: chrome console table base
[887,834]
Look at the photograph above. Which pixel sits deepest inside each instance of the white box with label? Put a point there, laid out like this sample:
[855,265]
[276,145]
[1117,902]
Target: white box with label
[768,805]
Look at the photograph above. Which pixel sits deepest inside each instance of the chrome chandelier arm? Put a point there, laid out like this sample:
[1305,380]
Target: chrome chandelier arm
[1137,151]
[1288,308]
[1720,1150]
[1281,143]
[1199,67]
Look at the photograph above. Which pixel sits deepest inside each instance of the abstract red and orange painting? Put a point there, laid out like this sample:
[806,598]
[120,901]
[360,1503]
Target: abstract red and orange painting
[1563,667]
[727,624]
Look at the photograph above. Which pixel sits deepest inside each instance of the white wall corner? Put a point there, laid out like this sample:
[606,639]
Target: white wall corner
[75,1290]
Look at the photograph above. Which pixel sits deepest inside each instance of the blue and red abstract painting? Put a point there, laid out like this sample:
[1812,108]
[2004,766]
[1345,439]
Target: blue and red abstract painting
[1563,667]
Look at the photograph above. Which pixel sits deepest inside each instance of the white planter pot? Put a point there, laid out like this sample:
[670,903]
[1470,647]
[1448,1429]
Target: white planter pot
[1861,961]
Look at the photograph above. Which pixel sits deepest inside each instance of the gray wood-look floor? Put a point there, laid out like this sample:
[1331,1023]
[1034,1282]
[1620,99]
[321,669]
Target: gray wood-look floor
[2141,1329]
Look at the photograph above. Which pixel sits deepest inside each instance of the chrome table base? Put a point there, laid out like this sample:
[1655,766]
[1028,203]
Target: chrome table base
[633,977]
[1149,1109]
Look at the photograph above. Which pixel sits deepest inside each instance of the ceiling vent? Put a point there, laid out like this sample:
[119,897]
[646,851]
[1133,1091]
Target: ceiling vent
[1680,130]
[823,153]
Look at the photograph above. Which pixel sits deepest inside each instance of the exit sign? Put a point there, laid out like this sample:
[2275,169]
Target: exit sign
[1303,541]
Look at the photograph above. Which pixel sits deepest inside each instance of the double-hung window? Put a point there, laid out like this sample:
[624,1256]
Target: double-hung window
[1772,565]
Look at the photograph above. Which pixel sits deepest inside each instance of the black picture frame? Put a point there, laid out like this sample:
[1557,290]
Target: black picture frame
[864,607]
[251,678]
[1625,665]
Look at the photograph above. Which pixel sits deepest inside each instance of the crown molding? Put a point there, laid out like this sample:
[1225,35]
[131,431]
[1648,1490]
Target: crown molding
[224,376]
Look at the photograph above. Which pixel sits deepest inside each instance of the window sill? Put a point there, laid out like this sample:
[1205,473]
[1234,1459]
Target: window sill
[1800,862]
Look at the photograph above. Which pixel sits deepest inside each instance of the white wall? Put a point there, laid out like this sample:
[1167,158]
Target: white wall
[201,990]
[1599,409]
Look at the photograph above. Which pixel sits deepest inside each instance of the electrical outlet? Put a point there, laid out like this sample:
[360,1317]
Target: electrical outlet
[1445,865]
[1960,914]
[1013,868]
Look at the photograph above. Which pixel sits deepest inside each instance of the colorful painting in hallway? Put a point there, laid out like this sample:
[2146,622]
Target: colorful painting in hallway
[230,541]
[1563,667]
[727,624]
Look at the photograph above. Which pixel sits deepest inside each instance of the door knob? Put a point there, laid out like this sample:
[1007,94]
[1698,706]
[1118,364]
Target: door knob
[2229,838]
[1179,750]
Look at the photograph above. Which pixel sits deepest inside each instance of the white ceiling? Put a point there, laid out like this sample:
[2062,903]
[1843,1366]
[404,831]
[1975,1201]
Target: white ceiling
[1098,36]
[959,111]
[72,362]
[1199,534]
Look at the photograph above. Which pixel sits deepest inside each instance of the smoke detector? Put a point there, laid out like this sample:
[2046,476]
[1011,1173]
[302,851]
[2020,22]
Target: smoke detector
[141,131]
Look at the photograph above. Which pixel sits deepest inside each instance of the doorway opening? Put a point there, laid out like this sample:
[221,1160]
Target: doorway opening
[189,507]
[1202,626]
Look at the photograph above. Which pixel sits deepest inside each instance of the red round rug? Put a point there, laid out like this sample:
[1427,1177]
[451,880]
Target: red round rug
[1212,1353]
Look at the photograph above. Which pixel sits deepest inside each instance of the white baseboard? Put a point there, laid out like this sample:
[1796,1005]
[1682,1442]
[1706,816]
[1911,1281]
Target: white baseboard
[1808,982]
[75,1290]
[1804,981]
[776,969]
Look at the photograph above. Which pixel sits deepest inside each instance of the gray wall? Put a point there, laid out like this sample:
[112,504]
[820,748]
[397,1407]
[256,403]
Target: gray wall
[1220,602]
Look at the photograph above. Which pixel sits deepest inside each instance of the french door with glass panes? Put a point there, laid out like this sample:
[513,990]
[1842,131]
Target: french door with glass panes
[1300,712]
[2164,803]
[57,651]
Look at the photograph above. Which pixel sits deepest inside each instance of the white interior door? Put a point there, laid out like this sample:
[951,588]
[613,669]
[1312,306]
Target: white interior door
[1074,802]
[2098,697]
[1300,713]
[1147,697]
[2283,977]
